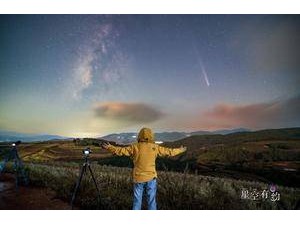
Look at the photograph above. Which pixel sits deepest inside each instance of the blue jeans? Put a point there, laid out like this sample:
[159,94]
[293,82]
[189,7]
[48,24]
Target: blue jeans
[138,189]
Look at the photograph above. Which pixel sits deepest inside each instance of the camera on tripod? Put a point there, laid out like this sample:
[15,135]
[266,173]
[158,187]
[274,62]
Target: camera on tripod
[16,143]
[86,151]
[84,169]
[19,169]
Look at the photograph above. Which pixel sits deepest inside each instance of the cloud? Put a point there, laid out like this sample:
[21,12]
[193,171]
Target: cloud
[128,112]
[280,113]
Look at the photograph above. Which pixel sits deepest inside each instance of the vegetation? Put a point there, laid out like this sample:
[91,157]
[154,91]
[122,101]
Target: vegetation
[175,190]
[268,155]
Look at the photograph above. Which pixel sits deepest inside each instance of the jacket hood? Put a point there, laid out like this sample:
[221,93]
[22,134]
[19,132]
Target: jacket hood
[146,135]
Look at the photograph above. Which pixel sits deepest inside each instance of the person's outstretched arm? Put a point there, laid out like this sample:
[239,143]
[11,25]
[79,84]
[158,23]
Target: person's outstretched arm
[164,151]
[119,151]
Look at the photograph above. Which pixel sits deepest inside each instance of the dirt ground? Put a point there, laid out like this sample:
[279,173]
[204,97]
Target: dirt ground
[27,197]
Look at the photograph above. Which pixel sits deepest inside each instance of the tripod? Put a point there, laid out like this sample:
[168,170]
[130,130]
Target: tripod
[86,165]
[20,173]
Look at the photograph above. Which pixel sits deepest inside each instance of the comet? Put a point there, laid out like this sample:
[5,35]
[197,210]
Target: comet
[203,70]
[204,73]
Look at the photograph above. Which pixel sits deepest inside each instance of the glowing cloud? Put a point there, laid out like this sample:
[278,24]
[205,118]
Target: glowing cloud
[128,112]
[281,113]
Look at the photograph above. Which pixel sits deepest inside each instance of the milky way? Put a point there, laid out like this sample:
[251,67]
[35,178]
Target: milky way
[100,63]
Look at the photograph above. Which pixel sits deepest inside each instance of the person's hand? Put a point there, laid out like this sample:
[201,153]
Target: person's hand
[183,149]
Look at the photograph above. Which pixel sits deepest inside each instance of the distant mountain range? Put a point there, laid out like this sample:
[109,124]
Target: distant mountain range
[126,138]
[8,136]
[122,138]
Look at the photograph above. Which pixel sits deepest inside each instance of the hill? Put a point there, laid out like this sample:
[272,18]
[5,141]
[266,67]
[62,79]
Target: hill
[271,156]
[266,155]
[8,136]
[122,138]
[127,138]
[211,175]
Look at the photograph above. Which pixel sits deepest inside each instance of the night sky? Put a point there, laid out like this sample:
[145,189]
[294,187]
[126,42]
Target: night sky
[90,75]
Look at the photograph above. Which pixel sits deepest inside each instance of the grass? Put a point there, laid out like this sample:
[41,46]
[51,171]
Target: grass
[175,190]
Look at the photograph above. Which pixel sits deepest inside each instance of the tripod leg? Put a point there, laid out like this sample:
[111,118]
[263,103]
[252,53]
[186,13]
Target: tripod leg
[16,165]
[92,174]
[83,169]
[23,173]
[3,163]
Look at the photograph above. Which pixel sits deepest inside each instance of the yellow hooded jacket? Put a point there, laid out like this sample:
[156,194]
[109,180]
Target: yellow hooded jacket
[144,154]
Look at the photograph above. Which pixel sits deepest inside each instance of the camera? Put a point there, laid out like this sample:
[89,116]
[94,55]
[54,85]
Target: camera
[16,143]
[87,151]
